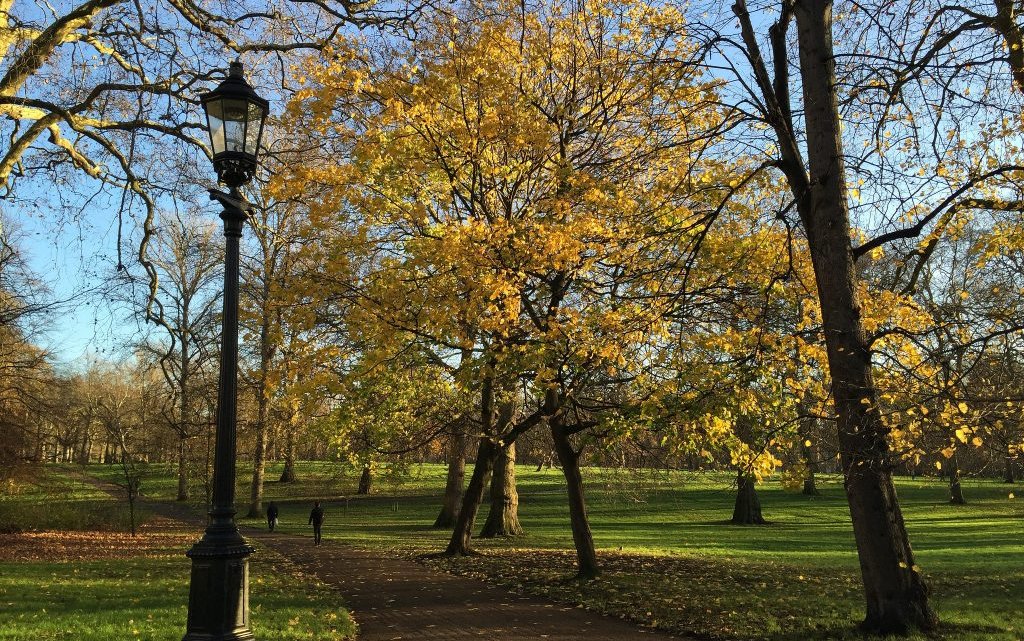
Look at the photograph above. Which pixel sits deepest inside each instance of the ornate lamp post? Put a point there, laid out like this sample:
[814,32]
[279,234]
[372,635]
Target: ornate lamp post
[218,601]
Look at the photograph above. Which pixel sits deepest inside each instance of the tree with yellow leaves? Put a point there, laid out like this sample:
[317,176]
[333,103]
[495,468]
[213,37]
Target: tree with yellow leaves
[511,177]
[884,148]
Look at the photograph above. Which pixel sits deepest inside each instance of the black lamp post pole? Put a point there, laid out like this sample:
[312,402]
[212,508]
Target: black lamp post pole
[218,597]
[218,604]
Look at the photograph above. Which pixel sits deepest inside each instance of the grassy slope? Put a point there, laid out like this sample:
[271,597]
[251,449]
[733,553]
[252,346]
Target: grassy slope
[129,588]
[58,499]
[670,558]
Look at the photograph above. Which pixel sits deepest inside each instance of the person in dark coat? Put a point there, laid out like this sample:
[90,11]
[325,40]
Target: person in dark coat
[316,519]
[272,515]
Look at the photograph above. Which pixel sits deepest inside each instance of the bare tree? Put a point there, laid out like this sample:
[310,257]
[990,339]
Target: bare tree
[188,261]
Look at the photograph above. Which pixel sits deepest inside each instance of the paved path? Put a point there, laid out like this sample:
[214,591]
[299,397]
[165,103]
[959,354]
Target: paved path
[394,599]
[399,599]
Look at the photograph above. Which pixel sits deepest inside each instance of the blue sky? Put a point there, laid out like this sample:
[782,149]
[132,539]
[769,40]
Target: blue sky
[75,257]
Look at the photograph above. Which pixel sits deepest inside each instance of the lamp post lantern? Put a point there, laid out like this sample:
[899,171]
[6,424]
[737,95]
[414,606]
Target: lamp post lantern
[218,600]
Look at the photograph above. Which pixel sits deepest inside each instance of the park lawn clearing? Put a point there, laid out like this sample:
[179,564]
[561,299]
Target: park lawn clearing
[728,599]
[55,499]
[98,585]
[145,596]
[670,560]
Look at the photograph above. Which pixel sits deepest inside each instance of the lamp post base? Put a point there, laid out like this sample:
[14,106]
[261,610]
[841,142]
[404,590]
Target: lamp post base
[218,599]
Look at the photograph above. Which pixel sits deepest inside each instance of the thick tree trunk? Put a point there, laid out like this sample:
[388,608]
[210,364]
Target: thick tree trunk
[956,493]
[896,595]
[462,533]
[182,469]
[503,519]
[1008,469]
[365,481]
[586,555]
[486,454]
[456,477]
[747,510]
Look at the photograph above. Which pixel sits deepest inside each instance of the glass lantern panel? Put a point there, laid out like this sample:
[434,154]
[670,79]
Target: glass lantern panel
[235,114]
[215,120]
[252,136]
[234,134]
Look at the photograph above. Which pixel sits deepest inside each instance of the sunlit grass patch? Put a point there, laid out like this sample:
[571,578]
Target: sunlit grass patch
[102,585]
[145,597]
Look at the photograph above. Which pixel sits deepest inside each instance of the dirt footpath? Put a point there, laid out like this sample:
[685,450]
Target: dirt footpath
[395,599]
[399,599]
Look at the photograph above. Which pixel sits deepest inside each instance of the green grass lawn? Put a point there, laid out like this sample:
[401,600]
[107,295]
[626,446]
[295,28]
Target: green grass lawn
[671,560]
[158,480]
[146,597]
[63,579]
[57,498]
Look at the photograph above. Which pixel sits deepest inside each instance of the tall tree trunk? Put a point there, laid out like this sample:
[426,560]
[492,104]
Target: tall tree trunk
[86,447]
[810,484]
[462,533]
[1008,469]
[288,474]
[267,350]
[503,519]
[809,456]
[747,510]
[185,410]
[896,594]
[486,454]
[182,468]
[956,493]
[259,461]
[456,477]
[365,481]
[586,555]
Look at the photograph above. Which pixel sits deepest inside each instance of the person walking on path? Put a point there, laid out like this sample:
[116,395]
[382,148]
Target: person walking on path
[271,516]
[316,519]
